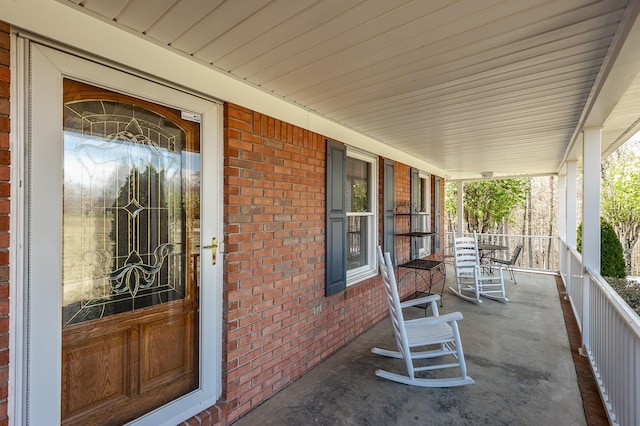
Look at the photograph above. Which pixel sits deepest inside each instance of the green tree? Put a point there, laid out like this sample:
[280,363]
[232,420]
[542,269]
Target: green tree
[360,197]
[450,204]
[487,203]
[611,259]
[620,198]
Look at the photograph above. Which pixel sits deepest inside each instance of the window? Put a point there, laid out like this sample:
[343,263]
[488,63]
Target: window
[361,194]
[437,212]
[424,213]
[351,233]
[421,209]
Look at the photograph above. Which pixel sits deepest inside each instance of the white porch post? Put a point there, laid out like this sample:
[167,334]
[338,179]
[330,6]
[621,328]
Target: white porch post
[572,204]
[459,187]
[562,206]
[590,220]
[562,228]
[571,218]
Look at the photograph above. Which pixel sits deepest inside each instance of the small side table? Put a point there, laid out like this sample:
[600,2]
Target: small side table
[424,268]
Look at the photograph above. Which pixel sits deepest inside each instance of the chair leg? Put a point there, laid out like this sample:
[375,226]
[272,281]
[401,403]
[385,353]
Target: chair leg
[513,276]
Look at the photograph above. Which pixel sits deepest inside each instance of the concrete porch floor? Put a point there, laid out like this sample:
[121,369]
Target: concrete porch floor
[518,353]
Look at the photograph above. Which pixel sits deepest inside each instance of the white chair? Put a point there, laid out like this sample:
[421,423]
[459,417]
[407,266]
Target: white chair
[436,336]
[471,281]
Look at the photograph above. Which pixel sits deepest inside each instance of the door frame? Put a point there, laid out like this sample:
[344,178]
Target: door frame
[36,350]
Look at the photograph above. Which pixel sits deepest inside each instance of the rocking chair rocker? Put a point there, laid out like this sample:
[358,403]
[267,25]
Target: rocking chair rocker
[440,332]
[471,281]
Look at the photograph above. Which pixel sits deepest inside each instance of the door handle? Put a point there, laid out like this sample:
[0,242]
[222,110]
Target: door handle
[214,249]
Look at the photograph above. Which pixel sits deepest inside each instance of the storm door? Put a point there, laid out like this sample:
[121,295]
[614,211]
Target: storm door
[130,256]
[122,207]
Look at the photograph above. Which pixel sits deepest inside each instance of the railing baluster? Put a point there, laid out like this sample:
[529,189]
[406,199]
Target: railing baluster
[614,336]
[534,249]
[614,350]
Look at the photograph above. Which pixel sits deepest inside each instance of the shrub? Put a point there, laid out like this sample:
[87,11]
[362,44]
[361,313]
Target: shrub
[611,257]
[630,292]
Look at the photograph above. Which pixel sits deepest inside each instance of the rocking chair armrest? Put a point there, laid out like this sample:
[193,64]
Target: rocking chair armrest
[419,301]
[421,322]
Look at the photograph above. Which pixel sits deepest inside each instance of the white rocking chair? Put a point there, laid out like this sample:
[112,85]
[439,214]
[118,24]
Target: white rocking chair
[440,332]
[471,281]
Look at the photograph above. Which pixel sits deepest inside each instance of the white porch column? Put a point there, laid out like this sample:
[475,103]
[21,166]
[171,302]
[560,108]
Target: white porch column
[562,228]
[570,218]
[572,203]
[459,187]
[562,207]
[590,219]
[591,199]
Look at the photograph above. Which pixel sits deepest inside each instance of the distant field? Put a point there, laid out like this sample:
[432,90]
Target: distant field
[81,235]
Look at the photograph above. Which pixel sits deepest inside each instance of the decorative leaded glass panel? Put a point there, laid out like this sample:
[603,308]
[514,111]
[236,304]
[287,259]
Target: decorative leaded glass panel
[130,185]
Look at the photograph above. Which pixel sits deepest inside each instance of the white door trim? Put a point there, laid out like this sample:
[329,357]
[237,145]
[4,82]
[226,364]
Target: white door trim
[37,363]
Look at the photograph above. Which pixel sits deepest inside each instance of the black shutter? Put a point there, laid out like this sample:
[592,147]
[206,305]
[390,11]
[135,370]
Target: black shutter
[415,202]
[389,209]
[437,211]
[336,237]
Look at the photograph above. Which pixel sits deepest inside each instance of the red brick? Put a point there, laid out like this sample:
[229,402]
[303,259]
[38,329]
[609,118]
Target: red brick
[5,77]
[5,90]
[4,107]
[5,58]
[238,113]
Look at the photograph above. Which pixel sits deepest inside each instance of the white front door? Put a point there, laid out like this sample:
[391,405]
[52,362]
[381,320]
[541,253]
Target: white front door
[124,293]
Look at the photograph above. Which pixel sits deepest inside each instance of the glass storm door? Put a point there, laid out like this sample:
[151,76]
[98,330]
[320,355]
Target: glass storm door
[130,256]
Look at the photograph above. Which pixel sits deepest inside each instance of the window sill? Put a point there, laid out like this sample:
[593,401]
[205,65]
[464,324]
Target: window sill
[360,274]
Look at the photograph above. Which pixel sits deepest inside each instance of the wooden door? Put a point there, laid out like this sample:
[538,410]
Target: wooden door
[130,233]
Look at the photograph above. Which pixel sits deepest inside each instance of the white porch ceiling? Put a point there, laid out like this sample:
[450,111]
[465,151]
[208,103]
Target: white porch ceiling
[468,86]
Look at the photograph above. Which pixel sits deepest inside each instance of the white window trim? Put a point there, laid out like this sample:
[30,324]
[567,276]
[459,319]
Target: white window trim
[370,269]
[425,249]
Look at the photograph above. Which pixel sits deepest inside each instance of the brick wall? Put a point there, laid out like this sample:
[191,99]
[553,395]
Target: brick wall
[280,324]
[4,218]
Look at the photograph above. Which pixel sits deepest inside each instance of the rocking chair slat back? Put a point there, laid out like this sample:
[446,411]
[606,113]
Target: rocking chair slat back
[472,281]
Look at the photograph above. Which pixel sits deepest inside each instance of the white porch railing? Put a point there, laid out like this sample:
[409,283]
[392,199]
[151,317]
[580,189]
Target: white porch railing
[539,252]
[610,328]
[610,336]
